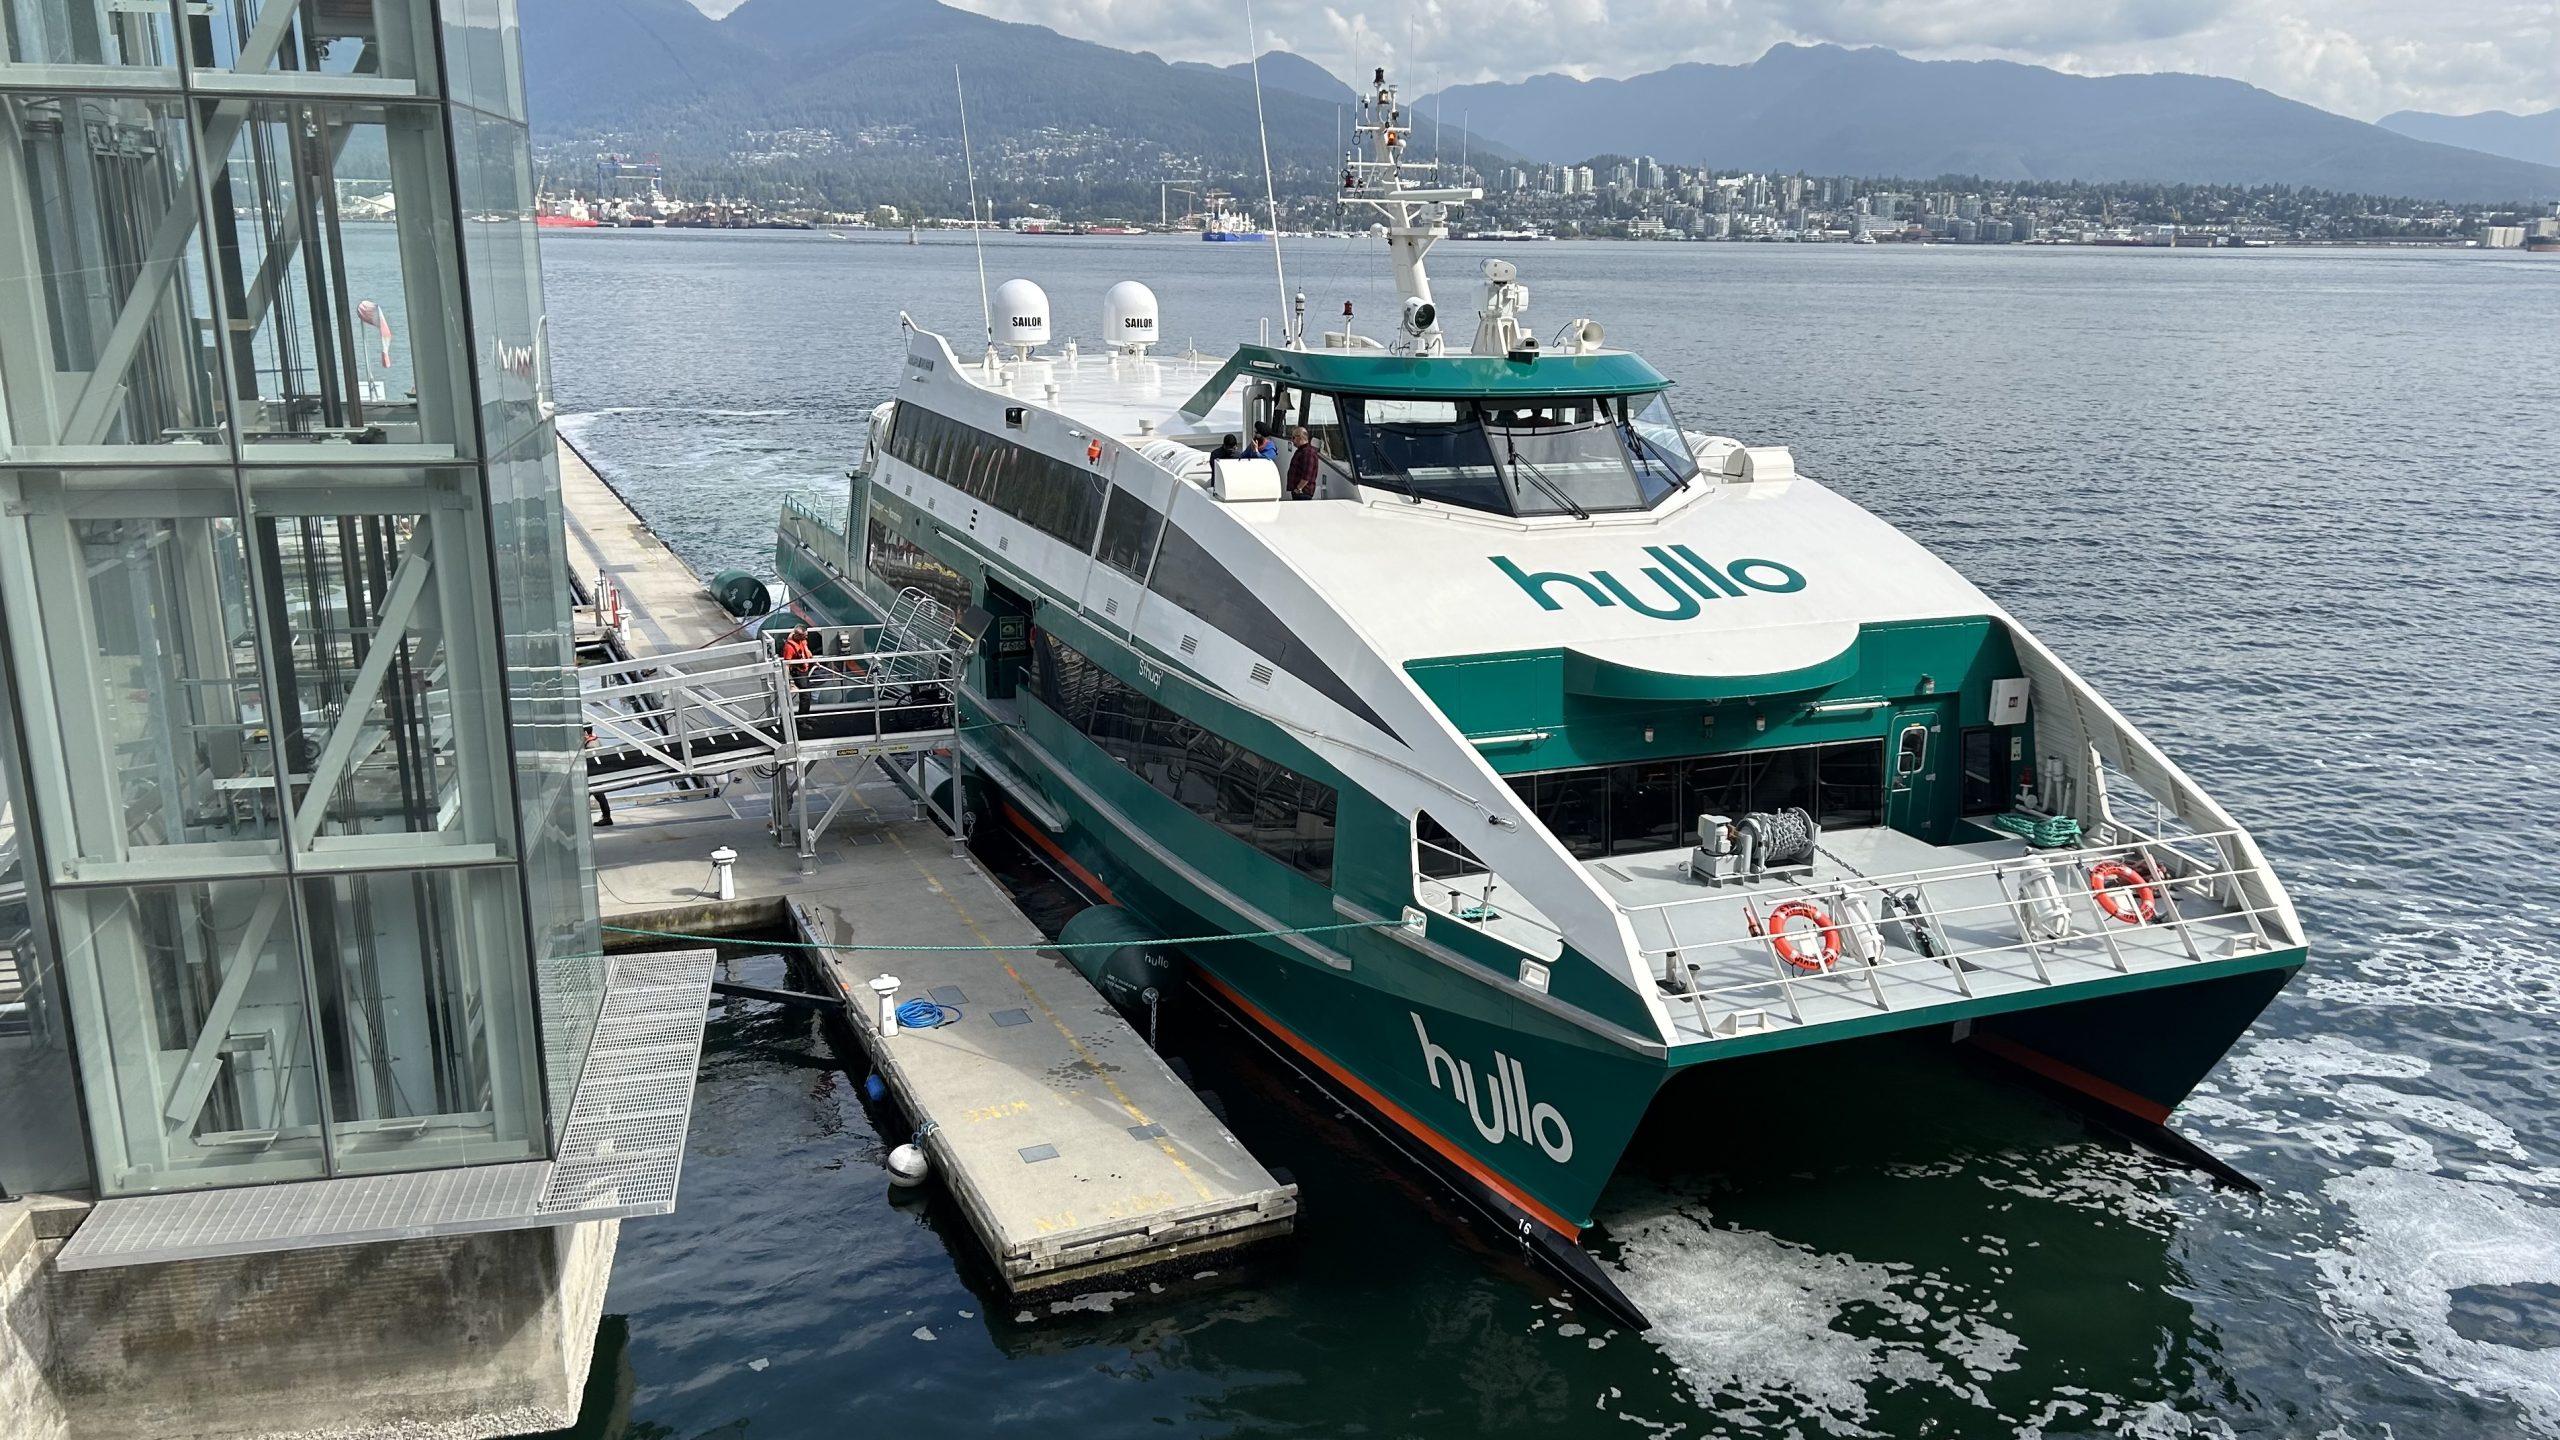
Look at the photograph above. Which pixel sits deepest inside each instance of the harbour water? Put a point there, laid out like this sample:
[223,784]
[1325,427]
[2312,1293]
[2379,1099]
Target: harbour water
[2295,512]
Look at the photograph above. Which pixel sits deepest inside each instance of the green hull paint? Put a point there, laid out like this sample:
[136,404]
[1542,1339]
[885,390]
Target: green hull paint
[1529,692]
[2156,1042]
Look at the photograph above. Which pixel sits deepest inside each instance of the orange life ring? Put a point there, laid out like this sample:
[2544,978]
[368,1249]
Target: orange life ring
[2109,879]
[1804,910]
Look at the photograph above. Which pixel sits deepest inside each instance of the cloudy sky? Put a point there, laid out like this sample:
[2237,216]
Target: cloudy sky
[2364,58]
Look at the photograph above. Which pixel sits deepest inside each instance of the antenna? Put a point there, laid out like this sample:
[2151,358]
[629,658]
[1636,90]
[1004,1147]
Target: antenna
[986,307]
[1270,194]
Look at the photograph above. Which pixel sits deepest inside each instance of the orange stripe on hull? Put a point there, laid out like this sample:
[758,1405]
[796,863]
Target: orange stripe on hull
[2141,1107]
[1446,1148]
[1055,852]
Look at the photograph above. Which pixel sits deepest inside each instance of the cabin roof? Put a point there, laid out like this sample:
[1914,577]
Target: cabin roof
[1434,377]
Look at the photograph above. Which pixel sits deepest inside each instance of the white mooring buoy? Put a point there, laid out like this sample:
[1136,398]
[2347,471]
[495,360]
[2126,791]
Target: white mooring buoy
[908,1167]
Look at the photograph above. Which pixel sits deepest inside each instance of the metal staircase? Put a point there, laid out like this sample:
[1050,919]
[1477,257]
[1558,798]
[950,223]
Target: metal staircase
[697,718]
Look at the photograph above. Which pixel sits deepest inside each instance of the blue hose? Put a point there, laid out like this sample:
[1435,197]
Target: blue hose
[925,1015]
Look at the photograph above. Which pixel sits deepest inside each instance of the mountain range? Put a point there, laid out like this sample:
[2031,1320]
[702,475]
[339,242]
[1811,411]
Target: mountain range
[2495,132]
[1282,70]
[799,90]
[1831,111]
[660,75]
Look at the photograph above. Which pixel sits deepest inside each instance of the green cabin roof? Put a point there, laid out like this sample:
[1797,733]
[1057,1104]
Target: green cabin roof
[1433,377]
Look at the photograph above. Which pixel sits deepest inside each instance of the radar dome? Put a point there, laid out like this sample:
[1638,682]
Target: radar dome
[1022,315]
[1129,317]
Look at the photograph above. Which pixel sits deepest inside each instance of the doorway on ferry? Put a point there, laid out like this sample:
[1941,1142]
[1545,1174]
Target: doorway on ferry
[1005,641]
[1914,757]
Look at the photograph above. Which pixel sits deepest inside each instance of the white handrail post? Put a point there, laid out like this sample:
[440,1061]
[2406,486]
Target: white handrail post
[1928,912]
[2103,920]
[2026,932]
[2178,921]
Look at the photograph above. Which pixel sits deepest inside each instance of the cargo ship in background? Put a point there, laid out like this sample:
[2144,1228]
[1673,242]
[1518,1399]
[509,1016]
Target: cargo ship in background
[1220,223]
[563,212]
[1552,765]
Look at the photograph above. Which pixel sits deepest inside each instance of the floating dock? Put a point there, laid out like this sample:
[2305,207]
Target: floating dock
[1075,1152]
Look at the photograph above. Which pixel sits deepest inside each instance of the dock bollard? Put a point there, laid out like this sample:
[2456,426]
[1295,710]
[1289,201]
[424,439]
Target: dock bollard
[724,879]
[886,987]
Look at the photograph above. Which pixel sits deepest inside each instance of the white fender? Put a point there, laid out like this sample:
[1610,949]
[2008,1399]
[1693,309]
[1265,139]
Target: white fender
[1857,925]
[2043,913]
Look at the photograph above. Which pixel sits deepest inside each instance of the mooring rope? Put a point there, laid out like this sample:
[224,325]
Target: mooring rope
[1280,933]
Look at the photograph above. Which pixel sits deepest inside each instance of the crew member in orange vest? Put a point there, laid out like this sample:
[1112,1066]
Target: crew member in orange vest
[798,662]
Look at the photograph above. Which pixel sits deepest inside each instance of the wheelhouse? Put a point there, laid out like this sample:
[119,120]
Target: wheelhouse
[1536,436]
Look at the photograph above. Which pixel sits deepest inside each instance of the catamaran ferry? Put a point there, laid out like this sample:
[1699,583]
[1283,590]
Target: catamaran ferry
[1555,752]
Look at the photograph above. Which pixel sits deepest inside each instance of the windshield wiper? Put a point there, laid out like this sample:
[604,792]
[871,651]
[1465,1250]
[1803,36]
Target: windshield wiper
[1643,452]
[1539,479]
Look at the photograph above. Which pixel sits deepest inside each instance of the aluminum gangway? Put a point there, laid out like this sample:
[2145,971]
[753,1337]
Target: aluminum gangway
[701,718]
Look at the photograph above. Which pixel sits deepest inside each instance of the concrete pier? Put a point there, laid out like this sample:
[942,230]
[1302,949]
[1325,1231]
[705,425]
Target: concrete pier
[438,1339]
[1073,1149]
[663,604]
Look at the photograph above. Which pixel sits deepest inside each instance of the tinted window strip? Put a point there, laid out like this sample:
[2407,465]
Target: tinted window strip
[1257,801]
[1050,495]
[1192,578]
[1653,805]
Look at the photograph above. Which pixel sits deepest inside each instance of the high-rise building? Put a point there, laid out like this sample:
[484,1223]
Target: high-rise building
[1582,183]
[295,870]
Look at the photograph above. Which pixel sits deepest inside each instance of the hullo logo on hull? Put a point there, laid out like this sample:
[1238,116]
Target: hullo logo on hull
[1505,1094]
[1687,582]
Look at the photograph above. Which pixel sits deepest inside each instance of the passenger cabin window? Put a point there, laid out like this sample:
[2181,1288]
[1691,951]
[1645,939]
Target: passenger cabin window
[1261,802]
[1130,529]
[1536,456]
[1602,810]
[899,565]
[1057,497]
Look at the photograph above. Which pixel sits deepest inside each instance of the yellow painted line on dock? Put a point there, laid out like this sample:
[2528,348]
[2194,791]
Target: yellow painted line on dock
[1164,1143]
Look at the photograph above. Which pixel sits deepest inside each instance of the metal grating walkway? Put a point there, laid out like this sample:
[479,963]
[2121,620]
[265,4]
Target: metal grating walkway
[620,1155]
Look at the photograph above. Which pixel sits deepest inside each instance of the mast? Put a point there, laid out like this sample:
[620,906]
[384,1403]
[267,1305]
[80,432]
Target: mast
[1374,174]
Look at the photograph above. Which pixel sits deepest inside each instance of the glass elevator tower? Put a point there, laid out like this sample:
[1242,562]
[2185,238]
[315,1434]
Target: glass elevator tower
[295,879]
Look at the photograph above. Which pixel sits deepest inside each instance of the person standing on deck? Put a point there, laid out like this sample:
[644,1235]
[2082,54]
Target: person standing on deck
[798,663]
[1266,446]
[604,802]
[1303,462]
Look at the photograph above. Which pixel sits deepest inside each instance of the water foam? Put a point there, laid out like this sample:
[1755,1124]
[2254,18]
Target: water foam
[2421,1238]
[1774,1334]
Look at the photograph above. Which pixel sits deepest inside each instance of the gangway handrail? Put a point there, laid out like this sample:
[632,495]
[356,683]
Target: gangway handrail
[706,714]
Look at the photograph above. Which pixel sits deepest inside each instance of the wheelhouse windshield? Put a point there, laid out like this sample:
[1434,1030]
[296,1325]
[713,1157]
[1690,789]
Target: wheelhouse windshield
[1578,457]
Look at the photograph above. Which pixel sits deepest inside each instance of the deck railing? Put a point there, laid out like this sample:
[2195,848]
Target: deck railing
[2031,931]
[2063,924]
[827,515]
